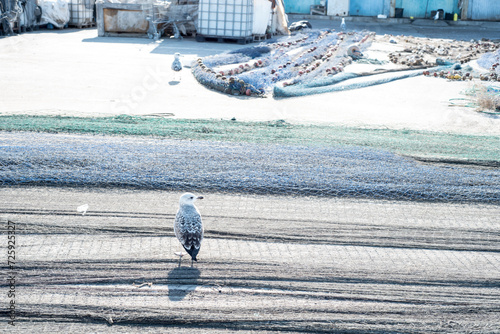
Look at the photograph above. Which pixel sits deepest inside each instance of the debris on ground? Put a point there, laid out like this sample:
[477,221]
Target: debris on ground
[300,25]
[484,99]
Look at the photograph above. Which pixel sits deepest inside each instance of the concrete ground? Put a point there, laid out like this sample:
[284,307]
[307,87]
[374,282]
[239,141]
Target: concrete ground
[459,30]
[74,72]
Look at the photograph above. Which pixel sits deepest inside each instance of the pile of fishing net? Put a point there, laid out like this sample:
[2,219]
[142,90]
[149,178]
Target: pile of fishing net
[426,52]
[313,62]
[290,60]
[414,51]
[491,62]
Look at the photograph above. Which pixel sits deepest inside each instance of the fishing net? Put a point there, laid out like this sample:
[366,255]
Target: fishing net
[336,84]
[289,60]
[258,158]
[491,61]
[317,61]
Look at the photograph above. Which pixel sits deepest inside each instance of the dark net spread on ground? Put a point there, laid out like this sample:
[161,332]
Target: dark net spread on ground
[75,160]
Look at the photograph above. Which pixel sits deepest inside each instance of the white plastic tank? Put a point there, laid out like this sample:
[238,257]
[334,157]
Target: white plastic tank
[229,18]
[81,12]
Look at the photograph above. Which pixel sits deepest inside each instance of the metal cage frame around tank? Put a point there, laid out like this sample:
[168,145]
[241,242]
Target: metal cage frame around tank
[81,13]
[225,18]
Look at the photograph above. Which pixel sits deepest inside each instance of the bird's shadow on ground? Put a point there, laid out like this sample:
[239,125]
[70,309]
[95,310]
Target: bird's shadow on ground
[174,82]
[181,281]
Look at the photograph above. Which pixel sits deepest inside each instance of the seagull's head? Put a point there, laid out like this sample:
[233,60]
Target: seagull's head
[177,55]
[188,199]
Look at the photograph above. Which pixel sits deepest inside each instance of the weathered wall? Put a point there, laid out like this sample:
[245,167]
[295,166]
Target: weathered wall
[423,8]
[484,10]
[300,6]
[338,7]
[369,7]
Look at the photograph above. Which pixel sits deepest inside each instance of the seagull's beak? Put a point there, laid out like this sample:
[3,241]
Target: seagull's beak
[199,197]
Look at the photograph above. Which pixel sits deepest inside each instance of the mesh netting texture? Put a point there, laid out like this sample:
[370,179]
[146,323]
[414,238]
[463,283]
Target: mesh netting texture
[421,145]
[491,61]
[289,60]
[317,61]
[75,160]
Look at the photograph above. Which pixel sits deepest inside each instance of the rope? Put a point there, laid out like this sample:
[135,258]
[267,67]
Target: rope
[334,84]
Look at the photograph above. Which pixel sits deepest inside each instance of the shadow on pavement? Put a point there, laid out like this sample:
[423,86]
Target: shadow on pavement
[181,281]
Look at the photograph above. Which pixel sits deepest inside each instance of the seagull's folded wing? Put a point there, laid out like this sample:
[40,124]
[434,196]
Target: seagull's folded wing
[189,231]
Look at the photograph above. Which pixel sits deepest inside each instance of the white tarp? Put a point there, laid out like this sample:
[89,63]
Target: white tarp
[262,14]
[265,16]
[280,19]
[55,12]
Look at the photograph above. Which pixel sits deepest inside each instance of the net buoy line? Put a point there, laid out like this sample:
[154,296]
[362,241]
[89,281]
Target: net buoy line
[308,63]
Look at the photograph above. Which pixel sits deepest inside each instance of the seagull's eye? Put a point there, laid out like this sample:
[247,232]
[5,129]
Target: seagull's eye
[191,197]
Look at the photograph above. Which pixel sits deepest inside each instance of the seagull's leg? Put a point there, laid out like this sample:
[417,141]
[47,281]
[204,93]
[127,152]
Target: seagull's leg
[192,262]
[180,255]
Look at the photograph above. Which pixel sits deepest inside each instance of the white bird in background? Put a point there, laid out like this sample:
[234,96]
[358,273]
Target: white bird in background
[177,65]
[342,25]
[436,17]
[188,227]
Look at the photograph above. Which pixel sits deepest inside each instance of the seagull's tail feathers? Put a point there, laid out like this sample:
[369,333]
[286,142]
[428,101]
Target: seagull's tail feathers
[193,251]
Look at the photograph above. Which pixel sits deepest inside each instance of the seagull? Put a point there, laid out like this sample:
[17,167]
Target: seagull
[342,25]
[436,17]
[188,227]
[177,65]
